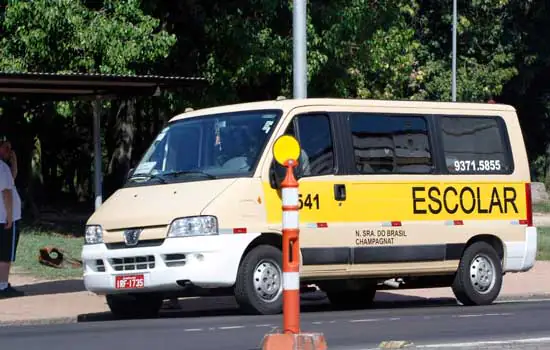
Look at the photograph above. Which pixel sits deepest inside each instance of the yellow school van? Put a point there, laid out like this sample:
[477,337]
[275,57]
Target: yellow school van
[393,194]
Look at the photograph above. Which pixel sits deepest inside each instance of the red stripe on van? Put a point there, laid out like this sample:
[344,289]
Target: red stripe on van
[322,225]
[396,223]
[529,204]
[239,230]
[458,222]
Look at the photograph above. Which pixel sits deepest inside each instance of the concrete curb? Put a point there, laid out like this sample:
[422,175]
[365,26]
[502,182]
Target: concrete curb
[412,301]
[40,322]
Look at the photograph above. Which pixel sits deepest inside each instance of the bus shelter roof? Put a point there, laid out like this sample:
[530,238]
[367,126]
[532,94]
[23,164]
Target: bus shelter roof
[38,86]
[67,86]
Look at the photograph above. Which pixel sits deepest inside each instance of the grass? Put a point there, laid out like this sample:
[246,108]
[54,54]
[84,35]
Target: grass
[28,251]
[543,207]
[543,243]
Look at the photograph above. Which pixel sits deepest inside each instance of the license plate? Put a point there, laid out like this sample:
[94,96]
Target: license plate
[129,282]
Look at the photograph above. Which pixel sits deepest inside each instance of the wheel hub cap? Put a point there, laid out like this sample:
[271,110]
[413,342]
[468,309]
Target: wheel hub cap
[267,280]
[482,274]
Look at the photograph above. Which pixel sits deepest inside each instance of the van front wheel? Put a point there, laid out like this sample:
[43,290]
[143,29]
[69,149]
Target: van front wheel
[139,305]
[259,285]
[479,277]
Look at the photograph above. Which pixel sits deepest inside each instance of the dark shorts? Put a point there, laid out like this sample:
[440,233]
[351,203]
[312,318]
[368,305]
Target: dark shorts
[9,239]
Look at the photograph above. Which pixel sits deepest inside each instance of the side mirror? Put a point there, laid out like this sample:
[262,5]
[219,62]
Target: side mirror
[130,173]
[276,176]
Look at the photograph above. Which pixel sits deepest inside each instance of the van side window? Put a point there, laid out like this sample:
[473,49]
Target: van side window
[474,145]
[391,144]
[314,134]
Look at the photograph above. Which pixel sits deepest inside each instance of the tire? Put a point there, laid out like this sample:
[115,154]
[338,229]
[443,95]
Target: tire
[352,299]
[146,305]
[266,261]
[479,255]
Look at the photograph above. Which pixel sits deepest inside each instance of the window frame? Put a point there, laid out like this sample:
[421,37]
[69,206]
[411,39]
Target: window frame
[335,127]
[504,138]
[279,117]
[347,137]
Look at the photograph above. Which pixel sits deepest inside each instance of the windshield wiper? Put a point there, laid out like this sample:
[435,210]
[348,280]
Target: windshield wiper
[148,177]
[161,176]
[186,172]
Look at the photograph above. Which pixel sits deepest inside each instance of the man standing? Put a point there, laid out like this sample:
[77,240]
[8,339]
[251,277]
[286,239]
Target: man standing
[10,215]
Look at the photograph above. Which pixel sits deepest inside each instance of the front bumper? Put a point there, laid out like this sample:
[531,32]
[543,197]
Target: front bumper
[206,262]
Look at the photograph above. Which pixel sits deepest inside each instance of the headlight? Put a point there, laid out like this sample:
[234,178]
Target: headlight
[194,226]
[93,235]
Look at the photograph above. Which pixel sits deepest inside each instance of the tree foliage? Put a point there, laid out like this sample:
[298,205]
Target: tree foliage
[67,36]
[383,49]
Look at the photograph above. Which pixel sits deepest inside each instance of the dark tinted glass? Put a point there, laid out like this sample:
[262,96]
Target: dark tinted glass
[315,137]
[474,145]
[391,144]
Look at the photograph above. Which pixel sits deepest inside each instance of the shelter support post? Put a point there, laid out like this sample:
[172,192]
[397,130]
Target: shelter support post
[98,183]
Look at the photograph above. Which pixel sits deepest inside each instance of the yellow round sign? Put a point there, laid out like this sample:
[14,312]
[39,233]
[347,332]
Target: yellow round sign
[286,148]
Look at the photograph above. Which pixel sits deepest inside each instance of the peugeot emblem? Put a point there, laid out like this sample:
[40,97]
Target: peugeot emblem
[131,237]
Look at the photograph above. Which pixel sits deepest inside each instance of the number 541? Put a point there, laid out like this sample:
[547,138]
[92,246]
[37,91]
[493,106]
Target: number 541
[311,201]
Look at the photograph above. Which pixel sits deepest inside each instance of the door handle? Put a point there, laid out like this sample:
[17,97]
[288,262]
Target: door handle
[340,192]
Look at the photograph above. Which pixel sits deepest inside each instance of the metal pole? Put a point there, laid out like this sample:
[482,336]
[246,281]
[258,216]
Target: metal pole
[300,48]
[454,49]
[97,153]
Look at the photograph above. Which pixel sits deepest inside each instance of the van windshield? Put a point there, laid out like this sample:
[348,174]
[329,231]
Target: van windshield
[207,147]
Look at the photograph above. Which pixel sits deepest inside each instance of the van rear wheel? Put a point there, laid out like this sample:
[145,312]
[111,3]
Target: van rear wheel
[352,299]
[259,285]
[139,305]
[479,277]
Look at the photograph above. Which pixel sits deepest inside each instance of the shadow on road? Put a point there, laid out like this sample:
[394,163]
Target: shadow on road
[53,287]
[311,303]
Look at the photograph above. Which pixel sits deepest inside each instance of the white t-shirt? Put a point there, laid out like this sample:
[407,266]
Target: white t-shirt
[6,181]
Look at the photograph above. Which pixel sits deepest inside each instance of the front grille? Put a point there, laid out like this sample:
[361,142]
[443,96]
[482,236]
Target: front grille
[172,260]
[141,244]
[99,265]
[133,263]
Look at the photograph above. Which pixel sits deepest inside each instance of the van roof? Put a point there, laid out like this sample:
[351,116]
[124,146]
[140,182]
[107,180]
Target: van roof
[288,104]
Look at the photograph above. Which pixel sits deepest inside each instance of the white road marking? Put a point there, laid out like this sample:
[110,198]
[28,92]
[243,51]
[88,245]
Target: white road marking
[193,330]
[484,315]
[485,343]
[366,320]
[501,314]
[231,327]
[473,315]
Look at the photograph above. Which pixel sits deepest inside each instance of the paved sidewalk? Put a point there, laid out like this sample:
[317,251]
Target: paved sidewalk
[66,301]
[541,219]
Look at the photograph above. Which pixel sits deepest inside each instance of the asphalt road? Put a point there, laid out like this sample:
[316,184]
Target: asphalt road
[222,328]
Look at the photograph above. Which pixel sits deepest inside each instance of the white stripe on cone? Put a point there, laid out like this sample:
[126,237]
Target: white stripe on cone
[290,219]
[290,196]
[291,280]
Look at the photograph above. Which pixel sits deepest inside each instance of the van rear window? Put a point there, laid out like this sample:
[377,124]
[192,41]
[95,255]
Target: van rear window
[475,145]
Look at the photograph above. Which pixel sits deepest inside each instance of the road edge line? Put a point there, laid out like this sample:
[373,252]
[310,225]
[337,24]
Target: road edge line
[486,343]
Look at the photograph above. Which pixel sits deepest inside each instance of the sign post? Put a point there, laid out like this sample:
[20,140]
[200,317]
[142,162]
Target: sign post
[286,152]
